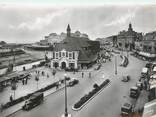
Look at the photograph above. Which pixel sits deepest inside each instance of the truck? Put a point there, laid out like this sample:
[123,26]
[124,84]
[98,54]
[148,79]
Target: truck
[33,101]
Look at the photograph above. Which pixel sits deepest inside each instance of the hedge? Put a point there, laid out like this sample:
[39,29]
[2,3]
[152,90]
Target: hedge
[86,97]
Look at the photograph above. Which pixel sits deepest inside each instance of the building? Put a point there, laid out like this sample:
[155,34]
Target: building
[126,39]
[74,52]
[147,49]
[107,42]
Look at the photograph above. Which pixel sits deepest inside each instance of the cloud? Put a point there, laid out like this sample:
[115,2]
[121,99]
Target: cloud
[31,24]
[127,17]
[39,22]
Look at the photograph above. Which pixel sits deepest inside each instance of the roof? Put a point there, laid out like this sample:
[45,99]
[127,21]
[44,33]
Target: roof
[78,44]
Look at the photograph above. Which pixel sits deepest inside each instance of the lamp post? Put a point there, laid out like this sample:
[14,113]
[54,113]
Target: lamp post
[115,65]
[66,114]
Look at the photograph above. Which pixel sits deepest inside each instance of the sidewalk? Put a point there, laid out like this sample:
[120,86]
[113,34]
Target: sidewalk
[31,86]
[18,107]
[23,90]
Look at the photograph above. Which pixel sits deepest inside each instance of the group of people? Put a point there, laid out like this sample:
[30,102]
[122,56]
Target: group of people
[89,74]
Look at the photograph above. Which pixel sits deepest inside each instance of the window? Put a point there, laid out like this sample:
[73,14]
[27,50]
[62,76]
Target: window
[70,55]
[63,54]
[53,55]
[66,54]
[56,55]
[60,54]
[73,55]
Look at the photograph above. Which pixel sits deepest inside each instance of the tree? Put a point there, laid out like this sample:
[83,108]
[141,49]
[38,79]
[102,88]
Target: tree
[37,79]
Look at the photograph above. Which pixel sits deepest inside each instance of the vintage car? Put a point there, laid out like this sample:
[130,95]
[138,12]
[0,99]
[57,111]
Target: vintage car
[126,109]
[34,100]
[125,78]
[134,92]
[73,82]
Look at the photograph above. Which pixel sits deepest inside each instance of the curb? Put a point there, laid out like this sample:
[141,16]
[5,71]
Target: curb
[13,112]
[23,101]
[90,99]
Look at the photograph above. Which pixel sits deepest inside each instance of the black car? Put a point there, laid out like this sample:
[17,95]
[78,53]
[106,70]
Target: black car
[73,82]
[125,78]
[126,109]
[134,92]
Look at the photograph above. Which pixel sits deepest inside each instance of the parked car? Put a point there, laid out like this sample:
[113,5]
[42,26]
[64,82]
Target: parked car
[33,101]
[97,67]
[125,78]
[139,85]
[134,92]
[126,109]
[73,82]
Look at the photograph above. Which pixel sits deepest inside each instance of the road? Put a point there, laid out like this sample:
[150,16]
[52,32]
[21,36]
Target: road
[106,104]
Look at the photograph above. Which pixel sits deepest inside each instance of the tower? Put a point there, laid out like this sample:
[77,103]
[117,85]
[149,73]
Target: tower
[130,27]
[68,30]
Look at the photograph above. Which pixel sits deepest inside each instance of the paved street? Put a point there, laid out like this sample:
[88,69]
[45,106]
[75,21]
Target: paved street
[107,103]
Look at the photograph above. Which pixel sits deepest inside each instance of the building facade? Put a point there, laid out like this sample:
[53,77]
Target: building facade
[65,59]
[74,52]
[126,39]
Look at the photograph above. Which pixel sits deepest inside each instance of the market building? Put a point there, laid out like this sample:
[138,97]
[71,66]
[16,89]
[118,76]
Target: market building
[74,52]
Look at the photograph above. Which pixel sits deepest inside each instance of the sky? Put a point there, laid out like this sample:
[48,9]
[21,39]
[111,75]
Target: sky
[20,23]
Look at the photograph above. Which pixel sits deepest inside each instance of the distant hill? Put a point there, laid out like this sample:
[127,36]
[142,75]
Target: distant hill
[2,43]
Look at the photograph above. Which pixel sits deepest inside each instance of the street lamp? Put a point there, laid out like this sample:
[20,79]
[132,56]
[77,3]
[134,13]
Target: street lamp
[115,65]
[66,114]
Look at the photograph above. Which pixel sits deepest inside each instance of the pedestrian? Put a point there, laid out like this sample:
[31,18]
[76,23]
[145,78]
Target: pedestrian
[23,81]
[26,80]
[11,98]
[89,74]
[47,75]
[1,107]
[82,74]
[57,85]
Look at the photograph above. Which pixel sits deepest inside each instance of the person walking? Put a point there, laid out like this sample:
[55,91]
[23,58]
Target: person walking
[23,81]
[11,98]
[26,80]
[82,74]
[47,75]
[1,107]
[89,74]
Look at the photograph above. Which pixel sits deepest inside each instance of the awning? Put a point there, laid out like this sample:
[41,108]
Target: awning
[147,54]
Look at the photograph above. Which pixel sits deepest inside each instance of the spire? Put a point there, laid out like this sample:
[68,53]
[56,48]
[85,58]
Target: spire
[68,30]
[130,27]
